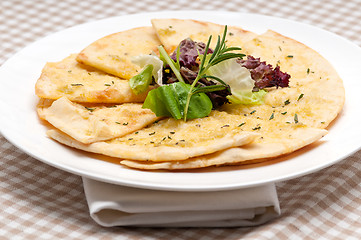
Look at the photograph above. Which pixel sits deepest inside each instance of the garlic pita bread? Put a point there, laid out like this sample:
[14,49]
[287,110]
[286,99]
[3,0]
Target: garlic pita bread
[97,123]
[43,104]
[81,83]
[316,94]
[290,118]
[250,153]
[168,140]
[172,31]
[113,53]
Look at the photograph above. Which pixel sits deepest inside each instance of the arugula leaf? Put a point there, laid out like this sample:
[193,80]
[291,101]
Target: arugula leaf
[170,100]
[140,83]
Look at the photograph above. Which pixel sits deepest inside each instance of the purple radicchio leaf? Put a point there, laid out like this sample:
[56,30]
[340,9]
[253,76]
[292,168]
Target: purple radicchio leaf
[189,50]
[264,74]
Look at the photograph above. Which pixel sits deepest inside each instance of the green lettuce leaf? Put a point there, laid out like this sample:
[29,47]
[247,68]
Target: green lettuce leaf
[255,98]
[144,60]
[140,83]
[170,100]
[239,80]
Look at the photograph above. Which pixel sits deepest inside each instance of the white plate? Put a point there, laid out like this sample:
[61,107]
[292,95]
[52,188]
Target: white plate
[21,126]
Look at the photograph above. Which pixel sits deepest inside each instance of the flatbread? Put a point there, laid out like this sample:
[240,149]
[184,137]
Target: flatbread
[290,118]
[172,31]
[169,140]
[113,53]
[42,105]
[316,93]
[97,123]
[250,153]
[81,83]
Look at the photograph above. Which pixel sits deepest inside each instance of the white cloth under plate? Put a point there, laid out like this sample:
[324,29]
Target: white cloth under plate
[114,205]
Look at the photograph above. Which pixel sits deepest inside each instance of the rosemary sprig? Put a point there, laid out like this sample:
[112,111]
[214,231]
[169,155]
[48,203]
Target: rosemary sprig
[221,53]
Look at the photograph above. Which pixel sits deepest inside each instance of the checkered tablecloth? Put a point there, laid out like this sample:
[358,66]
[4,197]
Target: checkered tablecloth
[38,201]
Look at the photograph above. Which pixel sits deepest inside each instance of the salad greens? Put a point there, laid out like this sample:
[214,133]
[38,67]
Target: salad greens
[221,53]
[174,65]
[195,79]
[170,100]
[140,83]
[144,60]
[240,81]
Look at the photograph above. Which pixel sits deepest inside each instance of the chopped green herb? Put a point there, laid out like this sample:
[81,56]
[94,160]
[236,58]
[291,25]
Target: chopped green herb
[136,132]
[89,73]
[290,56]
[280,48]
[308,71]
[76,84]
[151,133]
[225,126]
[117,122]
[257,128]
[299,97]
[252,112]
[296,118]
[69,71]
[283,113]
[272,116]
[107,84]
[126,123]
[240,125]
[287,102]
[172,132]
[90,109]
[130,138]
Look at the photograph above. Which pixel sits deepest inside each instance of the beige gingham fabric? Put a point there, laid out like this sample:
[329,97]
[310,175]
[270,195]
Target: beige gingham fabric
[38,201]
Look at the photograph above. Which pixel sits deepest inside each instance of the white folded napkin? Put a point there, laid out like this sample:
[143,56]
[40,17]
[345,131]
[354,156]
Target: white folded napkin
[114,205]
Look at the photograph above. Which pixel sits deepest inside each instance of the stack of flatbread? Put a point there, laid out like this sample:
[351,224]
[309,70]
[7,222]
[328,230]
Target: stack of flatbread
[87,99]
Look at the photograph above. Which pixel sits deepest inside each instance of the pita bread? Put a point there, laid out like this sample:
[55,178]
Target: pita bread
[172,31]
[316,93]
[113,53]
[250,153]
[43,104]
[322,99]
[81,83]
[169,140]
[97,123]
[290,118]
